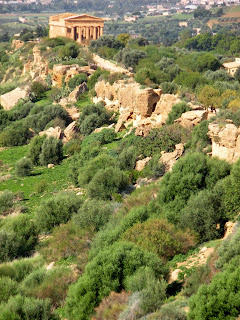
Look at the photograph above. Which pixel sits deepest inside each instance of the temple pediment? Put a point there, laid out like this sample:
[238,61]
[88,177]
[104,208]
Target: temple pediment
[83,17]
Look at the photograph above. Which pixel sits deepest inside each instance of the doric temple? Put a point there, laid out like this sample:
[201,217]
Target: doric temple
[81,28]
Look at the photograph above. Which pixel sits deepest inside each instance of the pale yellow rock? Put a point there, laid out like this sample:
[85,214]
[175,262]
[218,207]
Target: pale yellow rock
[54,132]
[10,99]
[170,158]
[225,141]
[70,130]
[141,164]
[190,119]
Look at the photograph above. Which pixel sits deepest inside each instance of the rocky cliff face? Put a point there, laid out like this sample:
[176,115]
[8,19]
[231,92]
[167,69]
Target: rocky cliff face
[146,108]
[225,141]
[62,73]
[37,67]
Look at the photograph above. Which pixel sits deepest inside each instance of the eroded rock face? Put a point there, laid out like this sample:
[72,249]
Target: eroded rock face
[129,97]
[10,99]
[38,67]
[190,119]
[146,108]
[66,72]
[169,158]
[225,141]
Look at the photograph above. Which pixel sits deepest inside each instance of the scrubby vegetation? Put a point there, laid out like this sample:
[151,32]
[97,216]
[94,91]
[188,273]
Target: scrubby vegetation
[85,234]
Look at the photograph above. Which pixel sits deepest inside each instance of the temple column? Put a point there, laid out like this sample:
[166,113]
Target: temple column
[101,31]
[87,33]
[80,34]
[72,33]
[91,32]
[94,33]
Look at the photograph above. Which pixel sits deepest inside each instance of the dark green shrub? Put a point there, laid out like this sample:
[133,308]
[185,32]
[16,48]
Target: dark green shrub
[200,138]
[18,238]
[219,300]
[23,167]
[94,78]
[40,186]
[87,173]
[37,89]
[6,201]
[169,87]
[106,182]
[117,227]
[69,50]
[145,76]
[77,80]
[56,210]
[35,149]
[127,158]
[92,117]
[203,214]
[52,151]
[105,273]
[15,135]
[93,214]
[177,111]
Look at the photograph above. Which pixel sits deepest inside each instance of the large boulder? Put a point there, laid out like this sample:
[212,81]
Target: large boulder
[225,141]
[74,95]
[190,119]
[170,158]
[54,132]
[128,96]
[141,164]
[10,99]
[70,130]
[165,104]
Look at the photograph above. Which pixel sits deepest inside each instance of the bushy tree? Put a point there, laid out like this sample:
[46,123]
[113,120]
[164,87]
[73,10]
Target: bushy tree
[200,139]
[127,158]
[106,183]
[77,80]
[52,151]
[105,273]
[219,300]
[56,210]
[23,167]
[101,162]
[92,117]
[177,111]
[204,215]
[6,201]
[37,89]
[160,237]
[69,50]
[35,149]
[93,214]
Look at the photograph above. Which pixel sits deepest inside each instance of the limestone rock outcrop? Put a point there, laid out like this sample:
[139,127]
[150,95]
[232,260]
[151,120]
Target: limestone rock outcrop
[141,164]
[66,72]
[54,132]
[10,99]
[17,44]
[165,104]
[145,108]
[225,141]
[190,119]
[128,96]
[169,158]
[70,130]
[73,96]
[38,67]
